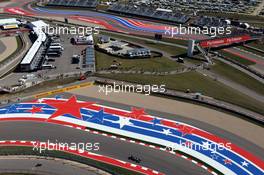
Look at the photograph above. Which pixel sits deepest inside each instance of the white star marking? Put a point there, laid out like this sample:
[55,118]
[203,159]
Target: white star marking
[124,121]
[166,131]
[244,163]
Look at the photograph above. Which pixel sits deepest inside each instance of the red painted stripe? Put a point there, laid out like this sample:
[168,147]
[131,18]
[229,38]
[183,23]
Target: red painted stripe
[17,11]
[94,21]
[145,25]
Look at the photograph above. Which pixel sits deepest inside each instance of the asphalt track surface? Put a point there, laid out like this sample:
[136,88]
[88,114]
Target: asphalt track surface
[2,47]
[155,159]
[51,167]
[111,22]
[151,158]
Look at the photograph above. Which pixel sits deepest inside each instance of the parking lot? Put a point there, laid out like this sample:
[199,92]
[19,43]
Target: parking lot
[62,63]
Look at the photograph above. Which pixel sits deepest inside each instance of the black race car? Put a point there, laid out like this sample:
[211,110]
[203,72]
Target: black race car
[134,159]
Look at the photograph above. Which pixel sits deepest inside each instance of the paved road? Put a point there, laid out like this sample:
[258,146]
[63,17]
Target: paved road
[51,167]
[2,47]
[158,160]
[15,61]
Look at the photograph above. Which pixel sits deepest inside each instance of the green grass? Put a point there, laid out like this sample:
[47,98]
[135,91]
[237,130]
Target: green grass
[237,76]
[252,50]
[58,154]
[171,50]
[257,45]
[196,83]
[238,59]
[160,64]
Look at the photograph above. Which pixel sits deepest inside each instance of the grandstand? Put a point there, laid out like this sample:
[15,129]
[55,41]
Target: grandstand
[211,22]
[236,6]
[150,12]
[74,3]
[238,28]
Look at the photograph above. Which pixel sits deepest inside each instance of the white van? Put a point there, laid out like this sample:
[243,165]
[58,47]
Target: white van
[48,66]
[28,76]
[56,47]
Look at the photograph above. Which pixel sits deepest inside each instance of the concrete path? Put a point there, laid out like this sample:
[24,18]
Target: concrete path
[2,46]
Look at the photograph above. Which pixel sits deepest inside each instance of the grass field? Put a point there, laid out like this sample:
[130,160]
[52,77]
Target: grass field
[252,51]
[160,64]
[236,58]
[192,80]
[237,76]
[257,45]
[196,83]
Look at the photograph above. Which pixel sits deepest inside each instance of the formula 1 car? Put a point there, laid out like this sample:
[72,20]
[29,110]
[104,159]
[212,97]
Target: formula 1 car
[134,159]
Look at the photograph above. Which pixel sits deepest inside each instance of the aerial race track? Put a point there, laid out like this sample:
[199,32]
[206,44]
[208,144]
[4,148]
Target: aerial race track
[136,124]
[108,21]
[114,23]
